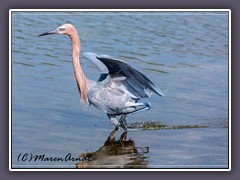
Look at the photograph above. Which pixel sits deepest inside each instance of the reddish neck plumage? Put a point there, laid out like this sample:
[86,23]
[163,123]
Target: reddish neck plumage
[81,79]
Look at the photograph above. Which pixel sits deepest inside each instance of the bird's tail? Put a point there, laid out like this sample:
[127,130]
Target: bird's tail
[137,107]
[143,107]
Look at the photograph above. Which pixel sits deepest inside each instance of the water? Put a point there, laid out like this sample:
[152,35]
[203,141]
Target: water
[184,54]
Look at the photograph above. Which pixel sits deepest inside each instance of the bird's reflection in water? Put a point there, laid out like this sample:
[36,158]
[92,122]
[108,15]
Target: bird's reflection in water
[120,153]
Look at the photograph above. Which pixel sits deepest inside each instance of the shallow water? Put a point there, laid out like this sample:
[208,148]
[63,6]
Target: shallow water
[184,54]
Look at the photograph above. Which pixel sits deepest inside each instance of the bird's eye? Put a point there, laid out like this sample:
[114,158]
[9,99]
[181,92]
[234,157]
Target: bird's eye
[61,29]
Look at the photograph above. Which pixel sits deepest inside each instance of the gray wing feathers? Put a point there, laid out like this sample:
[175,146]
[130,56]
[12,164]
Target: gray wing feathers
[136,82]
[93,57]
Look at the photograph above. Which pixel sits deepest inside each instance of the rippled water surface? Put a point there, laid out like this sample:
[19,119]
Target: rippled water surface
[184,54]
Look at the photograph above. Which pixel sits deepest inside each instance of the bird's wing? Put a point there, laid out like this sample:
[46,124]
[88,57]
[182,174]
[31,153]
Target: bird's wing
[103,69]
[137,83]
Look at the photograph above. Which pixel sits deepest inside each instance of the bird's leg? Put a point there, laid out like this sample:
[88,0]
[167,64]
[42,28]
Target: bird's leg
[113,119]
[123,122]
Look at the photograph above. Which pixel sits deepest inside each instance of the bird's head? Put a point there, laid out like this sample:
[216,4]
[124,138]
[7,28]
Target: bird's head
[63,29]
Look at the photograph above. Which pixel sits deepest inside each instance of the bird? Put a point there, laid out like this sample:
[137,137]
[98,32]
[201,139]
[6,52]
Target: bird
[118,89]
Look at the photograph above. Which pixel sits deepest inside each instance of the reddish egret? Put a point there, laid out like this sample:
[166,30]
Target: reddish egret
[119,87]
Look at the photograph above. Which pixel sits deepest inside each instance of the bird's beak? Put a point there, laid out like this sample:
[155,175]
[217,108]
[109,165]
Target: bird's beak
[49,32]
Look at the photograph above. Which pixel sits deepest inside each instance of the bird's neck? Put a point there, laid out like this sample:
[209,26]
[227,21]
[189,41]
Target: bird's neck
[81,79]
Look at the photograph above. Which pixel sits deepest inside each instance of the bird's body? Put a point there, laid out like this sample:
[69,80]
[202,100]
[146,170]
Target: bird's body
[119,87]
[109,98]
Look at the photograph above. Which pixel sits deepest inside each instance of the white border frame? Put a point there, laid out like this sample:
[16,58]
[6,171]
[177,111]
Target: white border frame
[119,10]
